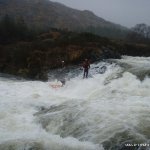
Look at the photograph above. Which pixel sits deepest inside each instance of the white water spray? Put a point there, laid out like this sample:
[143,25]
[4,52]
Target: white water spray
[102,112]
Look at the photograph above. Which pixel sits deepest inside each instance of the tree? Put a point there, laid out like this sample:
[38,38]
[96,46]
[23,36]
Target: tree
[7,29]
[12,30]
[142,29]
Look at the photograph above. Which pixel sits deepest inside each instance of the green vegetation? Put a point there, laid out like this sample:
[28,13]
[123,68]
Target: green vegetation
[12,30]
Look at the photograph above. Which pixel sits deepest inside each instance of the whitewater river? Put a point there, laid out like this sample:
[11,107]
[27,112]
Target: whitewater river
[108,111]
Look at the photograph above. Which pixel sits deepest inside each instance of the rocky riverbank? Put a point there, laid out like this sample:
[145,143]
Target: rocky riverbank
[32,59]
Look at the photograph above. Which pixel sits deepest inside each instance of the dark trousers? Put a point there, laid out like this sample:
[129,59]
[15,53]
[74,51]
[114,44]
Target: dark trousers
[85,75]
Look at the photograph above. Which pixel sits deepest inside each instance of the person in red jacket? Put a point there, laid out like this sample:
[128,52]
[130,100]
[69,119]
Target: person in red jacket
[86,66]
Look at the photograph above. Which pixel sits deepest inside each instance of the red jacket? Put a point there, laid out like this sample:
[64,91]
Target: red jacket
[86,65]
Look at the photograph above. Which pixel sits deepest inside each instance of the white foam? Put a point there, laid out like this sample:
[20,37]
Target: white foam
[102,106]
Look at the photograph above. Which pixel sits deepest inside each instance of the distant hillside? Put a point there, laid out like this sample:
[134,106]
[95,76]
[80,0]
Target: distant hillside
[44,14]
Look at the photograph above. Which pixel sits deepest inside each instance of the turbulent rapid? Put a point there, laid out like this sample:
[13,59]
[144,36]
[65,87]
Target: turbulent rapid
[108,111]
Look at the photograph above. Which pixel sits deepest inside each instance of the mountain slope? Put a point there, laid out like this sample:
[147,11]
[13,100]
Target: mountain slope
[45,14]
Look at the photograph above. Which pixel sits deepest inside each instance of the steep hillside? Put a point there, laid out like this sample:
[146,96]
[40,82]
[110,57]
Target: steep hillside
[44,14]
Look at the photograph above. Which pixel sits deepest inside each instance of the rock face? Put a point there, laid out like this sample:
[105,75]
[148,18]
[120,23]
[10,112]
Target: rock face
[45,14]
